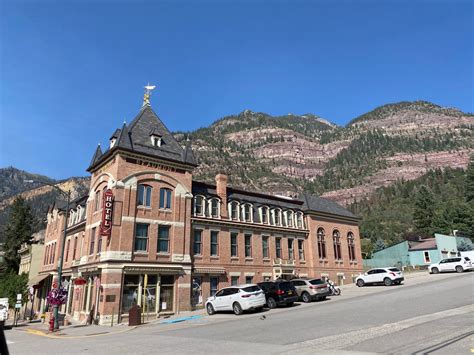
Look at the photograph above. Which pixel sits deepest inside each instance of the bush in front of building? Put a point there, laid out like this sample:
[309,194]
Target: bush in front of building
[12,284]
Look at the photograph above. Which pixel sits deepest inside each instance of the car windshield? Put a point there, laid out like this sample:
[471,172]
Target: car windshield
[316,282]
[251,289]
[285,286]
[394,269]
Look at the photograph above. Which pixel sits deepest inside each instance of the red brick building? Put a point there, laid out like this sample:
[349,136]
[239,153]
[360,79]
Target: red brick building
[175,241]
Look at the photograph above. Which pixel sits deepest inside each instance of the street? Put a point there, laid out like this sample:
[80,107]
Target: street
[431,317]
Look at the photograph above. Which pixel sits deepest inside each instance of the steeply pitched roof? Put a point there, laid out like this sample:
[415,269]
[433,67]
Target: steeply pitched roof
[97,155]
[320,204]
[136,138]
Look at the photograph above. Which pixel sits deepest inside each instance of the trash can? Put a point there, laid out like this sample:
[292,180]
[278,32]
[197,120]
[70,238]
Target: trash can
[134,315]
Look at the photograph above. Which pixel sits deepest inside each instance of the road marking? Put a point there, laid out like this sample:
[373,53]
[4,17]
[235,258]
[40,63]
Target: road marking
[10,342]
[344,340]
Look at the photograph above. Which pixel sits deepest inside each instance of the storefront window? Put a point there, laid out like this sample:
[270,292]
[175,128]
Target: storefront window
[166,293]
[130,292]
[197,290]
[150,294]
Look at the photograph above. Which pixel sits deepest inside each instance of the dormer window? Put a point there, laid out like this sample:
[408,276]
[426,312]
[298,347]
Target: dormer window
[112,142]
[247,212]
[199,205]
[156,140]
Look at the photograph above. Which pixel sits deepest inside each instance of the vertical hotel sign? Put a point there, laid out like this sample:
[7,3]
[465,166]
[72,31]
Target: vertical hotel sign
[107,209]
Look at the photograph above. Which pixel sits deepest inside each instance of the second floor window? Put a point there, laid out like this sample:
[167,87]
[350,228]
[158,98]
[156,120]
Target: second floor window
[321,244]
[233,244]
[214,243]
[97,201]
[278,247]
[199,206]
[68,245]
[144,195]
[74,250]
[165,198]
[301,249]
[141,237]
[291,254]
[351,246]
[91,246]
[336,238]
[197,245]
[234,210]
[265,247]
[215,208]
[163,239]
[99,244]
[248,245]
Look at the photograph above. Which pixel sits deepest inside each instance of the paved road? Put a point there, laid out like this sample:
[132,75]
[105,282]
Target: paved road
[433,317]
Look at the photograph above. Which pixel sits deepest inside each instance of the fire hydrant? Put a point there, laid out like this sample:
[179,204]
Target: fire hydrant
[51,324]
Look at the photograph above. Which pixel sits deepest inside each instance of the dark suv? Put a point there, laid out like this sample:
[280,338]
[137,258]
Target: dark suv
[278,293]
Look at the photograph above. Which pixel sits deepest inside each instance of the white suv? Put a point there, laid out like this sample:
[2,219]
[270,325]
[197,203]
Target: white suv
[387,276]
[237,299]
[459,264]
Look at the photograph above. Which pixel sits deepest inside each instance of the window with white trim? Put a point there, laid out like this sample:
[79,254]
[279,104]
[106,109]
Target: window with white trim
[199,205]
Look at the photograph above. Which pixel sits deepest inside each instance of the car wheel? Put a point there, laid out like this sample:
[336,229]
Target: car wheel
[271,303]
[210,309]
[387,281]
[306,297]
[459,268]
[360,283]
[435,270]
[237,308]
[289,304]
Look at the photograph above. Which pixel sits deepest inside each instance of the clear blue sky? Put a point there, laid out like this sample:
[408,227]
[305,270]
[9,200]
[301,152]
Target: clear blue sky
[71,73]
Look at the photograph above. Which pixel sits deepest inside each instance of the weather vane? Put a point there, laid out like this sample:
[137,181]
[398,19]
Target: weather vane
[146,97]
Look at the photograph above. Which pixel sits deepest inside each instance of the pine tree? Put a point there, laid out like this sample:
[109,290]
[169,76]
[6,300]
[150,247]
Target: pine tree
[469,188]
[18,230]
[424,212]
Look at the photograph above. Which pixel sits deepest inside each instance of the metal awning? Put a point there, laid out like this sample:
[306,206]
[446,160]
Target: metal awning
[209,270]
[37,279]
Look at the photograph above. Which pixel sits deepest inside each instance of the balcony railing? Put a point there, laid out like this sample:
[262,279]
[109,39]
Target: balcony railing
[283,262]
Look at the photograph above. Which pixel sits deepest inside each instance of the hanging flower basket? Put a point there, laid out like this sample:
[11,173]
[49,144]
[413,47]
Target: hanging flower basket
[57,296]
[80,281]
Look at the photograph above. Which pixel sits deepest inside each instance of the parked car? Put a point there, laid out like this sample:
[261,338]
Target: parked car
[279,293]
[311,289]
[236,298]
[458,264]
[387,276]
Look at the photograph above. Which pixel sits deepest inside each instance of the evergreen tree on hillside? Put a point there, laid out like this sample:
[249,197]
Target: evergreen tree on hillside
[19,229]
[424,213]
[469,188]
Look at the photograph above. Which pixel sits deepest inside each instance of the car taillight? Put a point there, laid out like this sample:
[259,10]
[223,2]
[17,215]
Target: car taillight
[280,292]
[245,296]
[393,274]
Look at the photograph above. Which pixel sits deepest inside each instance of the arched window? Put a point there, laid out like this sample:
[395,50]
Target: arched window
[277,216]
[234,210]
[321,244]
[264,217]
[351,246]
[247,212]
[336,240]
[299,220]
[165,198]
[290,219]
[144,195]
[214,208]
[199,205]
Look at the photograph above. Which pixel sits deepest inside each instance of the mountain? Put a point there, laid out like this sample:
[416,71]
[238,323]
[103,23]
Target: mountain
[37,190]
[291,153]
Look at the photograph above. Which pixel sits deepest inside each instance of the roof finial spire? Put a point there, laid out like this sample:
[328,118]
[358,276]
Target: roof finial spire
[146,97]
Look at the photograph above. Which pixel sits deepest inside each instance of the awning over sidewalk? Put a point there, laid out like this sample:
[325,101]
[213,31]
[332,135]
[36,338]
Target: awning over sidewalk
[209,270]
[37,279]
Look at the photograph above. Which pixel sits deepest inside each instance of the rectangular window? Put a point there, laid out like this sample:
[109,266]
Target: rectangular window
[99,244]
[427,257]
[278,247]
[97,201]
[265,247]
[301,249]
[141,237]
[264,215]
[214,285]
[214,243]
[248,245]
[165,198]
[215,208]
[249,279]
[163,239]
[233,244]
[234,280]
[234,210]
[91,246]
[291,255]
[299,219]
[68,245]
[277,217]
[74,249]
[197,242]
[247,212]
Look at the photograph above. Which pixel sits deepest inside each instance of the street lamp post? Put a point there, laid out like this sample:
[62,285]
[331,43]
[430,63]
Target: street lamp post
[61,258]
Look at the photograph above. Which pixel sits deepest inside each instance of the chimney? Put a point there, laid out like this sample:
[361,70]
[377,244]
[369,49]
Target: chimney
[221,189]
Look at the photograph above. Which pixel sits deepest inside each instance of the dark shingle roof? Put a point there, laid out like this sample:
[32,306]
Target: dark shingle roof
[136,137]
[97,155]
[320,204]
